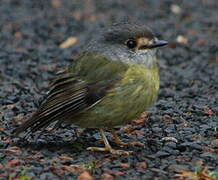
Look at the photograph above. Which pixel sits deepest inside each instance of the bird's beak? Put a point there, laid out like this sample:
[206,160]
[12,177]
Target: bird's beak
[158,43]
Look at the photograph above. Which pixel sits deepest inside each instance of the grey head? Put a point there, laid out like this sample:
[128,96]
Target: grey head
[127,42]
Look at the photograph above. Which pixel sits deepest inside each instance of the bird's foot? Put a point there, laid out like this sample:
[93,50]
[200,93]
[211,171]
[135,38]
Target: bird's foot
[118,141]
[111,150]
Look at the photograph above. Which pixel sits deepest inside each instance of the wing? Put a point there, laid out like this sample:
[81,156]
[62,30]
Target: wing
[68,96]
[75,90]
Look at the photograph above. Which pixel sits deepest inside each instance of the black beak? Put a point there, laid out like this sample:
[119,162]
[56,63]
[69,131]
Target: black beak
[158,43]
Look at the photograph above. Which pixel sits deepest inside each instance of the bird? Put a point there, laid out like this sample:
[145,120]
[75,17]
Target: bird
[112,81]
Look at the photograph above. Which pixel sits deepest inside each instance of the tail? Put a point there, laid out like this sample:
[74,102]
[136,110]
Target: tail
[66,98]
[33,124]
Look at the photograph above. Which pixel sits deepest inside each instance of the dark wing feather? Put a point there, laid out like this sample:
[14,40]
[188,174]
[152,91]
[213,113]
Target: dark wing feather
[68,96]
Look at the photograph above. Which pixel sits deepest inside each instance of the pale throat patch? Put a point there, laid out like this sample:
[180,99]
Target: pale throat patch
[145,57]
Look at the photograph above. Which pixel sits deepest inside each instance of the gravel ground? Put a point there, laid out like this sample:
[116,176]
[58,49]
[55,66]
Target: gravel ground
[180,131]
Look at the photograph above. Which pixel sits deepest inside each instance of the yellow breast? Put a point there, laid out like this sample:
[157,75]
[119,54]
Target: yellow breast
[131,96]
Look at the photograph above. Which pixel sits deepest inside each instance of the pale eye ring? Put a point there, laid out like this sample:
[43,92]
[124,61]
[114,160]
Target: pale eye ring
[131,43]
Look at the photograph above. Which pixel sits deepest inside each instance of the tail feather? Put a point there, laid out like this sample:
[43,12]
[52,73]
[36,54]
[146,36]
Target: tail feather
[67,96]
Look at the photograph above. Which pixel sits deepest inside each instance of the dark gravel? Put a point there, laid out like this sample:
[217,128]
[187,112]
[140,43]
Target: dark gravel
[182,130]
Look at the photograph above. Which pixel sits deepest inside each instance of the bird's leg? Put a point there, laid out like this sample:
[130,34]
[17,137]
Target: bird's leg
[118,141]
[108,147]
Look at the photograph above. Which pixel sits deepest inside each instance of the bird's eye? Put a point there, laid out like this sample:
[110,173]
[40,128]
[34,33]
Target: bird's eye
[131,43]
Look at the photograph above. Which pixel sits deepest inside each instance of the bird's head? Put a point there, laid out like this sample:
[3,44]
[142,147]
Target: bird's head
[129,42]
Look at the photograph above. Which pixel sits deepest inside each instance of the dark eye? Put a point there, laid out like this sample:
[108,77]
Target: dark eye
[131,43]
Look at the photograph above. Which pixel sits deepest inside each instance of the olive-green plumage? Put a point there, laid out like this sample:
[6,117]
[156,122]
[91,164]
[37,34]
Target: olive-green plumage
[133,90]
[113,81]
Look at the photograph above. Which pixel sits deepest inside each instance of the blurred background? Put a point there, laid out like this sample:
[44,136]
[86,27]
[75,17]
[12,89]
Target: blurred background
[39,38]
